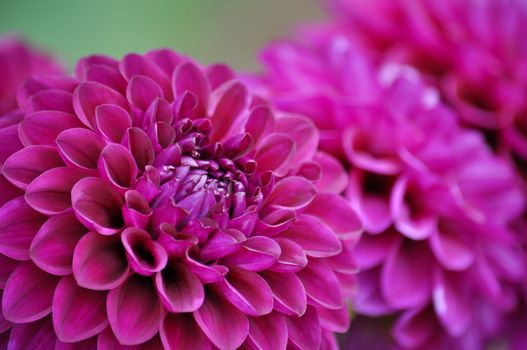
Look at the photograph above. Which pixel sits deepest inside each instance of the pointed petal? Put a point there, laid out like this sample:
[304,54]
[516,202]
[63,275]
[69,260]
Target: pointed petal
[142,91]
[141,147]
[117,165]
[42,128]
[52,248]
[80,147]
[317,274]
[36,336]
[18,225]
[373,250]
[451,305]
[180,331]
[99,262]
[30,162]
[335,320]
[179,289]
[145,255]
[112,122]
[276,153]
[97,205]
[134,311]
[291,193]
[304,331]
[414,327]
[229,101]
[223,324]
[260,123]
[49,100]
[289,292]
[334,178]
[256,254]
[451,250]
[50,193]
[219,73]
[188,77]
[292,257]
[7,266]
[28,294]
[134,64]
[78,313]
[10,141]
[268,332]
[303,132]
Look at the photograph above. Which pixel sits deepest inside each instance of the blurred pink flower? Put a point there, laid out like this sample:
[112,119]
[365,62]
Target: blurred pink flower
[162,204]
[17,62]
[438,256]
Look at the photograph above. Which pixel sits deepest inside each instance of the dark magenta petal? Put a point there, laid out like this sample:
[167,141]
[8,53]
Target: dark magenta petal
[142,91]
[268,332]
[8,191]
[229,101]
[219,244]
[134,311]
[292,257]
[99,262]
[188,77]
[50,193]
[117,165]
[35,335]
[289,292]
[7,266]
[43,82]
[373,250]
[18,225]
[28,294]
[53,246]
[314,236]
[260,123]
[80,147]
[42,128]
[291,193]
[179,289]
[206,273]
[276,153]
[415,327]
[224,325]
[337,214]
[94,60]
[335,320]
[247,291]
[97,205]
[145,255]
[136,211]
[140,145]
[305,331]
[88,344]
[112,122]
[78,313]
[256,254]
[9,142]
[89,95]
[180,331]
[30,162]
[49,100]
[315,274]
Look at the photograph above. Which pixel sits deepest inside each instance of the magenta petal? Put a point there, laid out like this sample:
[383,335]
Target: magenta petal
[52,248]
[414,328]
[35,336]
[291,193]
[219,73]
[42,128]
[188,77]
[80,147]
[8,191]
[368,299]
[28,294]
[117,165]
[335,320]
[288,290]
[314,236]
[223,324]
[276,154]
[317,274]
[141,147]
[247,291]
[179,289]
[372,250]
[78,313]
[142,91]
[303,132]
[229,101]
[137,211]
[260,123]
[256,254]
[335,212]
[89,95]
[305,331]
[50,193]
[451,250]
[97,205]
[134,311]
[268,332]
[49,100]
[219,244]
[206,273]
[334,178]
[30,162]
[145,255]
[99,262]
[292,257]
[134,64]
[404,283]
[112,122]
[18,225]
[106,75]
[7,266]
[88,344]
[451,305]
[180,331]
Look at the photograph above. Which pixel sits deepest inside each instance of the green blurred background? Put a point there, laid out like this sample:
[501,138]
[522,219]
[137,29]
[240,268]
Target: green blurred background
[210,30]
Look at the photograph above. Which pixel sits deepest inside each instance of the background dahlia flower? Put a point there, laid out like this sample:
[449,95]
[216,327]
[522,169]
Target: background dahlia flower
[474,51]
[439,264]
[162,205]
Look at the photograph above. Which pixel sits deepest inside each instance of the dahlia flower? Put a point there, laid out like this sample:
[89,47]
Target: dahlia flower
[163,205]
[438,262]
[473,51]
[17,62]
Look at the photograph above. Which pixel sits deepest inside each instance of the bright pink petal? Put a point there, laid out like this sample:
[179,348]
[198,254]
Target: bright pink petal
[78,313]
[451,250]
[7,266]
[335,320]
[49,100]
[28,294]
[334,178]
[141,147]
[260,123]
[268,332]
[292,256]
[229,101]
[134,311]
[179,289]
[256,254]
[414,327]
[288,290]
[303,132]
[317,274]
[180,331]
[219,73]
[291,193]
[451,304]
[305,331]
[276,154]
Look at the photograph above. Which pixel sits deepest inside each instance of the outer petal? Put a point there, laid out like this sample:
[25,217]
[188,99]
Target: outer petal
[268,332]
[451,304]
[288,290]
[291,193]
[112,121]
[188,77]
[78,313]
[334,178]
[305,332]
[99,262]
[451,250]
[36,336]
[134,311]
[414,328]
[42,128]
[28,294]
[317,274]
[232,99]
[142,91]
[117,165]
[224,325]
[180,331]
[179,289]
[80,147]
[276,154]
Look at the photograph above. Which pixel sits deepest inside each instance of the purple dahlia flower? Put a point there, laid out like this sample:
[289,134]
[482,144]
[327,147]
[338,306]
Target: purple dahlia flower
[439,259]
[162,205]
[474,52]
[17,62]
